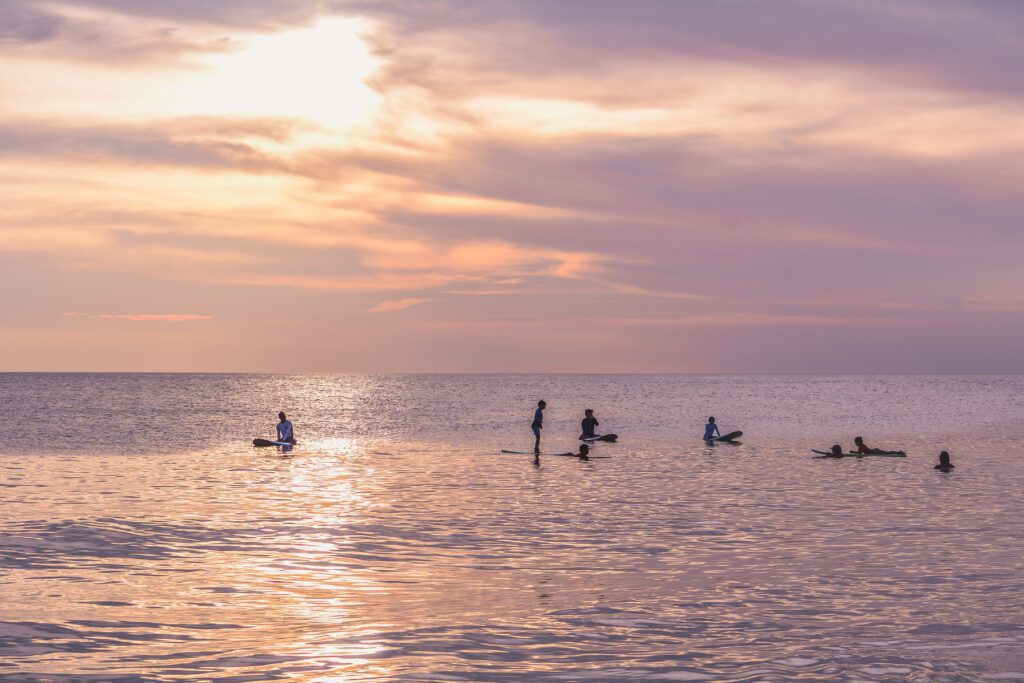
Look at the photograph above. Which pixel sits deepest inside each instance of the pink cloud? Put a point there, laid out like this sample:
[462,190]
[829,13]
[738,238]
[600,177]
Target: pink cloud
[140,317]
[397,305]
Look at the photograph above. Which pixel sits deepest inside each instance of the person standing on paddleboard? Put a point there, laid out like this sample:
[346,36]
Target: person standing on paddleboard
[589,424]
[285,430]
[711,430]
[538,424]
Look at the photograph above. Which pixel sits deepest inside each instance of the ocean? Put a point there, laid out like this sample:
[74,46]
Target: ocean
[144,539]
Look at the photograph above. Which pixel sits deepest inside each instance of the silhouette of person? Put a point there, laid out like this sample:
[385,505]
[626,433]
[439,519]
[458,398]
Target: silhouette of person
[285,430]
[711,430]
[944,464]
[589,423]
[538,424]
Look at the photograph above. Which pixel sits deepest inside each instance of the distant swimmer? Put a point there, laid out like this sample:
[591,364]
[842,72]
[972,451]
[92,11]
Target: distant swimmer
[944,464]
[862,449]
[538,424]
[285,430]
[584,453]
[711,430]
[589,424]
[836,452]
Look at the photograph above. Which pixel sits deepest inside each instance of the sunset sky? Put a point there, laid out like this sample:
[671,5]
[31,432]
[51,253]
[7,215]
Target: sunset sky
[500,185]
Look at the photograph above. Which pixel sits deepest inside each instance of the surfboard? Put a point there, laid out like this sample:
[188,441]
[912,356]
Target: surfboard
[887,454]
[564,455]
[263,443]
[532,453]
[608,438]
[854,454]
[731,436]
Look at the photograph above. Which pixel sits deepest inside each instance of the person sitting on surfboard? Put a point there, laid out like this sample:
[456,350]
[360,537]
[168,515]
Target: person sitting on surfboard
[944,464]
[711,430]
[285,431]
[862,448]
[588,424]
[538,424]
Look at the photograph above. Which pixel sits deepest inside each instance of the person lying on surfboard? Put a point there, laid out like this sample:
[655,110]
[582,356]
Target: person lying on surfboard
[285,430]
[711,430]
[944,464]
[538,424]
[837,452]
[863,449]
[589,423]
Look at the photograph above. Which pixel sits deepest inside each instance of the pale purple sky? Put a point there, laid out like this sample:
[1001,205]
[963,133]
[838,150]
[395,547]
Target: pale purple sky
[580,185]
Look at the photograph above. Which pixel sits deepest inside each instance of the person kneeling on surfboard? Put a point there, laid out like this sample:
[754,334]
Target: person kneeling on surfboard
[538,424]
[285,431]
[863,449]
[944,464]
[588,424]
[711,430]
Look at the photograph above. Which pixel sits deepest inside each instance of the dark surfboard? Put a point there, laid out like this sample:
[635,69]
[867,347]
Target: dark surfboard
[564,455]
[731,436]
[607,438]
[263,443]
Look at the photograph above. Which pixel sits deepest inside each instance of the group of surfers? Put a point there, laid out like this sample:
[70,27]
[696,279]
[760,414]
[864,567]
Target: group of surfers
[588,428]
[589,424]
[711,433]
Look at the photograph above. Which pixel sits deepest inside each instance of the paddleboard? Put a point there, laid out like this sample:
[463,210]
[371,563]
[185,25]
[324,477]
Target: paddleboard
[564,455]
[263,443]
[608,438]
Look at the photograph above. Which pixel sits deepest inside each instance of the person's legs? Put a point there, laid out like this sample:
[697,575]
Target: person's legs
[536,445]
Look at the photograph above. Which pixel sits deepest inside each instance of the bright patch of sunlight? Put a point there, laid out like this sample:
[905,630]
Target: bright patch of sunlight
[316,73]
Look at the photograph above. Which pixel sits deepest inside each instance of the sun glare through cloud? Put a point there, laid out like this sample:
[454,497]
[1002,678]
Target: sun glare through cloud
[316,74]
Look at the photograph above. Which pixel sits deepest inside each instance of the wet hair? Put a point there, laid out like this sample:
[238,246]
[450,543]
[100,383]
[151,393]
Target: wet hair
[711,419]
[837,448]
[944,458]
[858,439]
[542,404]
[588,411]
[281,415]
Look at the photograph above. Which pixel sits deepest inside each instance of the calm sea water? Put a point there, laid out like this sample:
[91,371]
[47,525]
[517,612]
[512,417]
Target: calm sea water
[144,539]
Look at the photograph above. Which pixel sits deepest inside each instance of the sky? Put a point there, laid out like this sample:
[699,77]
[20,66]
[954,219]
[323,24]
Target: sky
[739,186]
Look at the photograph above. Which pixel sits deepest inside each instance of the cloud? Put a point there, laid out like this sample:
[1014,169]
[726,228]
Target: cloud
[648,173]
[934,42]
[397,305]
[129,144]
[140,317]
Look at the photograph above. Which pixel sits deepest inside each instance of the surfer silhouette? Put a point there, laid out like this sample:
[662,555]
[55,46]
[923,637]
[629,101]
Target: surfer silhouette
[863,449]
[285,430]
[538,424]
